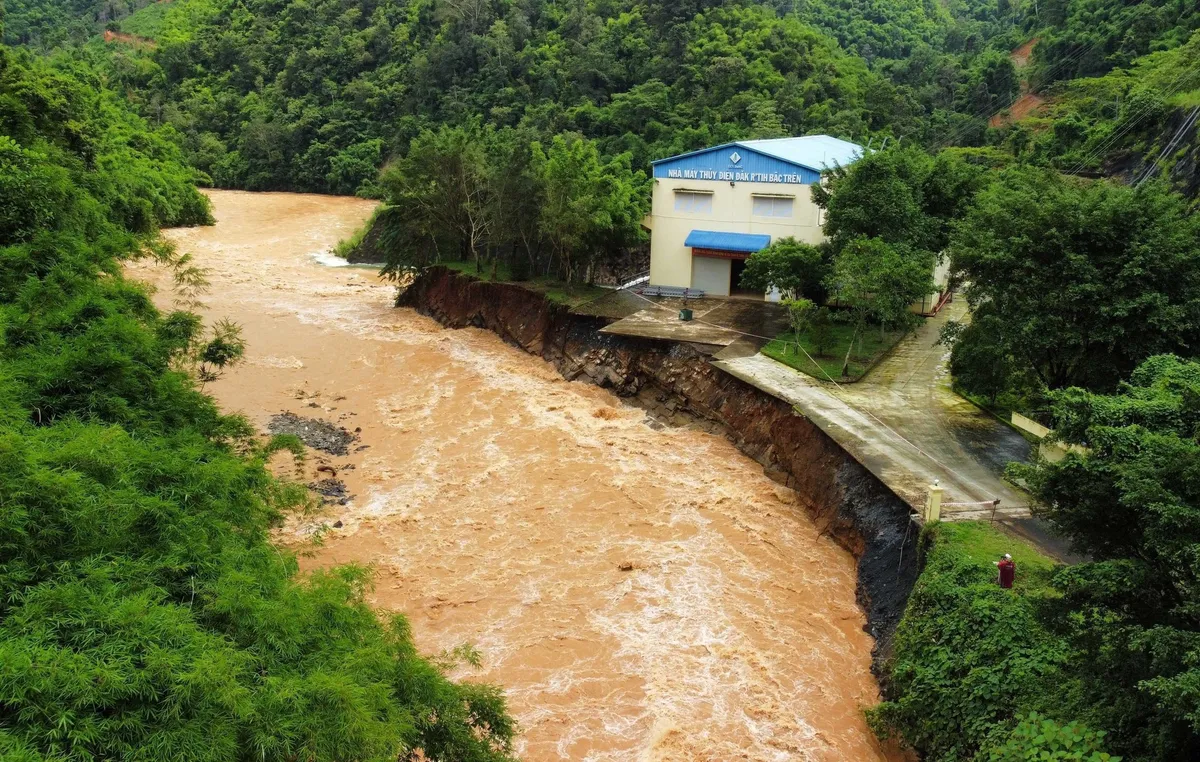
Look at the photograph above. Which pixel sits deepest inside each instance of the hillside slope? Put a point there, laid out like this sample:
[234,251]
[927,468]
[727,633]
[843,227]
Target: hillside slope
[317,95]
[144,612]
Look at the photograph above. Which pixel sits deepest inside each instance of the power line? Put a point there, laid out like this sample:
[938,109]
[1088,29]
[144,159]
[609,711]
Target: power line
[1183,128]
[1129,124]
[991,110]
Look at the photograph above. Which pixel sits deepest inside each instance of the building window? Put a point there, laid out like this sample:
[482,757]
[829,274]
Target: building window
[773,206]
[692,202]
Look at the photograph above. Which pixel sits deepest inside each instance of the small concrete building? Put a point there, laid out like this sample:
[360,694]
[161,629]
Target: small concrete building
[711,209]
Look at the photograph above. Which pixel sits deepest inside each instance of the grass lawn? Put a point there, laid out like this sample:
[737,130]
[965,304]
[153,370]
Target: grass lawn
[829,365]
[979,543]
[570,294]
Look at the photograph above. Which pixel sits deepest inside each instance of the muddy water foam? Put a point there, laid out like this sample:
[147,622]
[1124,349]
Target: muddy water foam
[640,594]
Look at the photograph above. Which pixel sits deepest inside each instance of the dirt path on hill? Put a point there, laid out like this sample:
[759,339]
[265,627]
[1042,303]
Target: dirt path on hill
[1028,103]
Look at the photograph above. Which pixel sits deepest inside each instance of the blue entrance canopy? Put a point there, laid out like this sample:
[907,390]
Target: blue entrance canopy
[711,239]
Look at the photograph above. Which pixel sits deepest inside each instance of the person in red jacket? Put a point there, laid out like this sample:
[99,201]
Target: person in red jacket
[1008,571]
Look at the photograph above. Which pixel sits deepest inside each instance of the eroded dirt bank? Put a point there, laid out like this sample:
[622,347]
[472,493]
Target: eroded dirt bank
[640,593]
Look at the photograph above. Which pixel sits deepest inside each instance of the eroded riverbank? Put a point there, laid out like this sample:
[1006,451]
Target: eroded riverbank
[639,593]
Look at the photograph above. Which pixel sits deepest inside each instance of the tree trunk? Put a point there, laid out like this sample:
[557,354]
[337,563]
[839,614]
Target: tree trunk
[846,361]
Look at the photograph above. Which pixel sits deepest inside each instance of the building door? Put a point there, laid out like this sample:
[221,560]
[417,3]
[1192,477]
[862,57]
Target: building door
[737,267]
[711,275]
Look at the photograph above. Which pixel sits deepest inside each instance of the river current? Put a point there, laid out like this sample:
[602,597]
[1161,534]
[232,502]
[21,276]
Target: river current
[640,594]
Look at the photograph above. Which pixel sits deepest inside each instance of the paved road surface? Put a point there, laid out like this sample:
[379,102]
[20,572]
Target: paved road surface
[903,422]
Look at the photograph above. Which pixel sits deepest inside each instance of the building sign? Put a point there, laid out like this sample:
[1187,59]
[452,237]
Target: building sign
[719,253]
[734,176]
[734,165]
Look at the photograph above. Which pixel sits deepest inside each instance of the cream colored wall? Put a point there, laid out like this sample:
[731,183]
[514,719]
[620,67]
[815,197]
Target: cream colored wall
[1052,451]
[941,281]
[671,261]
[941,272]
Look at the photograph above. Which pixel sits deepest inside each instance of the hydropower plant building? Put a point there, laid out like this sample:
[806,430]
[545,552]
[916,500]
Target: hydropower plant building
[711,209]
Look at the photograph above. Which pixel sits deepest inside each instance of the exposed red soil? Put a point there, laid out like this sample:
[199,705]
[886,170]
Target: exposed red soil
[1020,56]
[129,39]
[1027,105]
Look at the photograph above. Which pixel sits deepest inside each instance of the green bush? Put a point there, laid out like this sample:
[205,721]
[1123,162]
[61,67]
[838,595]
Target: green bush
[144,612]
[968,656]
[1037,739]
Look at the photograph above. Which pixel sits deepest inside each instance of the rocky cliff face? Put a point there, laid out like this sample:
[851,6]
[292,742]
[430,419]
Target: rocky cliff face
[677,384]
[1172,153]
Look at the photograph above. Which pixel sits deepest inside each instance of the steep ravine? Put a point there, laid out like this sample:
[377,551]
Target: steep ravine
[847,501]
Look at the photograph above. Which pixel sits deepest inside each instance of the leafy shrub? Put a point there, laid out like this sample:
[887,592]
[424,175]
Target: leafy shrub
[968,655]
[33,191]
[1037,739]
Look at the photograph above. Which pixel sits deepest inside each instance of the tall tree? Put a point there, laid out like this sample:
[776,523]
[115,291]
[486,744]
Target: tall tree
[571,175]
[1076,281]
[589,206]
[901,195]
[1131,503]
[444,180]
[879,196]
[879,281]
[516,199]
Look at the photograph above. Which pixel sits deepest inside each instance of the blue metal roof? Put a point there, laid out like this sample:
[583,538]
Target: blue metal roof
[712,239]
[814,152]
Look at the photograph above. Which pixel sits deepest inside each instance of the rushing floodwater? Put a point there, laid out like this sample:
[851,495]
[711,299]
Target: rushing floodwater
[499,505]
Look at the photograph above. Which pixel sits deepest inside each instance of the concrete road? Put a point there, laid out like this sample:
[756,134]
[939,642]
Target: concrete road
[906,425]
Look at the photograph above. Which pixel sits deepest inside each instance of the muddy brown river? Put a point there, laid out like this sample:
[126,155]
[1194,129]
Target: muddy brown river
[641,594]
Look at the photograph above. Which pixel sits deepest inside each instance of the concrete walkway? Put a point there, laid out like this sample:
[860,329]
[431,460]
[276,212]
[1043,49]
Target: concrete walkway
[719,322]
[905,424]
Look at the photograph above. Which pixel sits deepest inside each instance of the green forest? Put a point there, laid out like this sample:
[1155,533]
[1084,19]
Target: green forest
[144,613]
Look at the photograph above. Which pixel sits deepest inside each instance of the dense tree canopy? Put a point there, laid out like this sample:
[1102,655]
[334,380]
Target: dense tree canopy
[144,613]
[47,23]
[1073,283]
[1132,503]
[902,196]
[476,193]
[70,152]
[1090,37]
[316,95]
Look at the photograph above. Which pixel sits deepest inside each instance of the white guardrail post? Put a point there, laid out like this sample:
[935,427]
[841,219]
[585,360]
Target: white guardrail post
[933,503]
